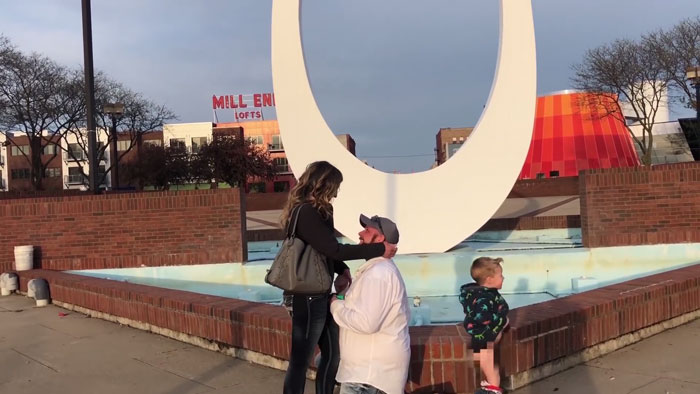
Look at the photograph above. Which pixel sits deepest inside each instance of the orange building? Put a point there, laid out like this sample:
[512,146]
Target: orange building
[573,133]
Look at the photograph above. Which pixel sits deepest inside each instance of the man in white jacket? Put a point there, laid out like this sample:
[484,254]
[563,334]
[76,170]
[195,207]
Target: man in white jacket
[373,316]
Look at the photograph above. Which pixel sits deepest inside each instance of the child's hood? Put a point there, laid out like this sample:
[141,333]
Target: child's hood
[473,289]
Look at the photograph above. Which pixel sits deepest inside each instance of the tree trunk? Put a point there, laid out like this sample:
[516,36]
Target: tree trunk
[36,164]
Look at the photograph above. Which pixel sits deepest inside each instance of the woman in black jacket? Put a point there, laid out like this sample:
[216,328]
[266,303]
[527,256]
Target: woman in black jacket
[312,322]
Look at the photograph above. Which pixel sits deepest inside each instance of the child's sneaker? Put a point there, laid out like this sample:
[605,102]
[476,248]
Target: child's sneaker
[488,389]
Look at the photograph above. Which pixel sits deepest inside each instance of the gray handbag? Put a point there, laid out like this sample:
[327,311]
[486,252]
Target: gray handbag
[298,268]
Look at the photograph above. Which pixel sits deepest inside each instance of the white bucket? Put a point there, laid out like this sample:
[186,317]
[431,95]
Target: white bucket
[5,292]
[24,257]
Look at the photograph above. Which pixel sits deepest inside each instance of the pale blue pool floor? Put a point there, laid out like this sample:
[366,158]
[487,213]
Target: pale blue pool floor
[538,266]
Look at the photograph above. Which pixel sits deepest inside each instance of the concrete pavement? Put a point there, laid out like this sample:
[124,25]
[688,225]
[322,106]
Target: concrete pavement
[42,352]
[52,350]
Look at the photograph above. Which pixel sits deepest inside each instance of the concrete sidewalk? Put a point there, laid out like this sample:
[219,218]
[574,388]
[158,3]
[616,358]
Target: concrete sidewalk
[43,352]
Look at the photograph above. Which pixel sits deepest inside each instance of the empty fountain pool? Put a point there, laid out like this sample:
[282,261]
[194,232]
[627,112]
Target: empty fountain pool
[538,266]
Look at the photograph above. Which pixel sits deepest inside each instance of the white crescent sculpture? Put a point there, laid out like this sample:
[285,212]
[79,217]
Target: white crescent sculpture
[436,209]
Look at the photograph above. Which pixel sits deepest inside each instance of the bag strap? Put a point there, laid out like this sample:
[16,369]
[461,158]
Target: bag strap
[293,223]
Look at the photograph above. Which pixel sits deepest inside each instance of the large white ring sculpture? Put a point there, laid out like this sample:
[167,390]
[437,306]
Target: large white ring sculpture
[437,209]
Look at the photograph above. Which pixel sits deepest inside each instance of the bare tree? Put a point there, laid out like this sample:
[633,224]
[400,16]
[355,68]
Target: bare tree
[679,49]
[141,116]
[626,73]
[41,100]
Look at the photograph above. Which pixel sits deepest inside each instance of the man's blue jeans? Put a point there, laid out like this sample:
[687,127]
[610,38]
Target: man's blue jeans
[359,388]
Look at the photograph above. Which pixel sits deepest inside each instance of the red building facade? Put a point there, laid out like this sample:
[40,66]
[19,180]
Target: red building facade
[572,133]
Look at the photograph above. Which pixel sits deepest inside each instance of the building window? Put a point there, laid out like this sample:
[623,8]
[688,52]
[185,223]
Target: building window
[75,176]
[281,164]
[540,175]
[52,172]
[276,143]
[256,139]
[20,173]
[198,143]
[18,150]
[153,142]
[75,151]
[281,187]
[50,149]
[178,144]
[553,174]
[123,145]
[257,187]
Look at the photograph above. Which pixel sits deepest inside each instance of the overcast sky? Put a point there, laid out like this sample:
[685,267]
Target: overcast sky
[388,72]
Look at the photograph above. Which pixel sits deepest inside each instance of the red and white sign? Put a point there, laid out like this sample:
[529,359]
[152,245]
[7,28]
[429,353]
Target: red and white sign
[244,104]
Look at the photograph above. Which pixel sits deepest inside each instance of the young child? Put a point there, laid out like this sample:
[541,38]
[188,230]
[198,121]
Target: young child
[485,316]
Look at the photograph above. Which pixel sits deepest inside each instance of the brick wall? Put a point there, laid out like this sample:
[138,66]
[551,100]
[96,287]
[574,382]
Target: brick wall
[441,359]
[641,206]
[564,186]
[532,223]
[126,229]
[265,201]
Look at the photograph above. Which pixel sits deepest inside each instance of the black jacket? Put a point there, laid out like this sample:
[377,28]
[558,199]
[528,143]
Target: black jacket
[485,311]
[320,234]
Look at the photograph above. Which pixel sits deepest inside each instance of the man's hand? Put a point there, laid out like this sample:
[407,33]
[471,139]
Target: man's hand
[389,250]
[343,281]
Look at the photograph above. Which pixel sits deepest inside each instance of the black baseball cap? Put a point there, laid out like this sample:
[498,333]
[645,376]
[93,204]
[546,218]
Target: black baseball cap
[384,225]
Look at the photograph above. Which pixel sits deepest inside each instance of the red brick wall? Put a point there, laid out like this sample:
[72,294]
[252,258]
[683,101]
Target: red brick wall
[126,230]
[641,206]
[532,223]
[564,186]
[266,201]
[441,359]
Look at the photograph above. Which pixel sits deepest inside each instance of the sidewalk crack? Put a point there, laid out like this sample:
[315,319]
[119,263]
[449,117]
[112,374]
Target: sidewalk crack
[35,360]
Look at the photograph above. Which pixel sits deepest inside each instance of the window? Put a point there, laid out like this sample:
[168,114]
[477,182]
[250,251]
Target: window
[281,187]
[20,173]
[123,145]
[178,144]
[52,172]
[276,143]
[281,164]
[198,143]
[553,174]
[75,176]
[18,150]
[75,151]
[153,143]
[540,175]
[256,139]
[257,187]
[50,149]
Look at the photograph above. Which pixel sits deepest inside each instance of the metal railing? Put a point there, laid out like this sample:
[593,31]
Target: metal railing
[76,179]
[80,155]
[283,169]
[276,147]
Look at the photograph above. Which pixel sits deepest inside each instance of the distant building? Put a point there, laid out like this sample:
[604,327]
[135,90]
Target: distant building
[448,141]
[266,133]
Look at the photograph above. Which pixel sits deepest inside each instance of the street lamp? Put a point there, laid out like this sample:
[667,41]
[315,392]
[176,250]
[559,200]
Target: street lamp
[115,111]
[693,76]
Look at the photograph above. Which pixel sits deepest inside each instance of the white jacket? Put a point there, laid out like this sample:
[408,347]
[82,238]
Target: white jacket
[375,347]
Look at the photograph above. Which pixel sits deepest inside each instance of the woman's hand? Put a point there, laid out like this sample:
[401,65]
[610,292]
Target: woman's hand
[343,281]
[389,250]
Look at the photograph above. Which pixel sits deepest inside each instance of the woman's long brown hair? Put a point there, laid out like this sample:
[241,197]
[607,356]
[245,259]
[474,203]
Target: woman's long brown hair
[318,185]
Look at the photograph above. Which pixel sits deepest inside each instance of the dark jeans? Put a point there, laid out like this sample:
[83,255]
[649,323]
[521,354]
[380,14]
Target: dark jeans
[312,324]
